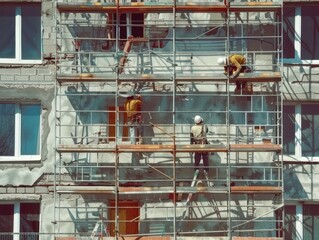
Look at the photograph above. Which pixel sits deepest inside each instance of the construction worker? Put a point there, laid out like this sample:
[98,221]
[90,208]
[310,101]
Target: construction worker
[198,136]
[233,66]
[133,107]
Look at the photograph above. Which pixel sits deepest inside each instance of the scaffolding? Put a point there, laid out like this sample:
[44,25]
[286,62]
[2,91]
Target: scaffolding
[166,52]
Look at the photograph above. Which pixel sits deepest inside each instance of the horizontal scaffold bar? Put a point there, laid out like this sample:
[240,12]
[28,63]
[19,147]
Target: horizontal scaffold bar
[137,190]
[249,77]
[148,7]
[257,238]
[267,147]
[160,190]
[167,190]
[256,189]
[151,237]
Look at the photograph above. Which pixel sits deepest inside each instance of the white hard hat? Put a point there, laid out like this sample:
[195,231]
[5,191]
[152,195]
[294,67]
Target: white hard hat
[198,119]
[221,61]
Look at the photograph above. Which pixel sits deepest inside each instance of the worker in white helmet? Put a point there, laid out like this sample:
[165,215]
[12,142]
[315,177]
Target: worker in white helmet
[233,66]
[198,136]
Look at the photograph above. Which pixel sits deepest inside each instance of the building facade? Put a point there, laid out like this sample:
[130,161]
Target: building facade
[70,167]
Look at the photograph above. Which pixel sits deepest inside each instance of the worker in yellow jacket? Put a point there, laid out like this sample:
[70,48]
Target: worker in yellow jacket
[233,66]
[133,107]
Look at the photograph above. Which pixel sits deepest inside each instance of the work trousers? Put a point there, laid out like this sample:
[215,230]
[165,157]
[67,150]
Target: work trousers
[136,130]
[198,157]
[242,84]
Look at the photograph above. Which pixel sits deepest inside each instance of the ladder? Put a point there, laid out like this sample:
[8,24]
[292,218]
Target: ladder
[212,201]
[99,230]
[250,140]
[250,211]
[103,134]
[209,184]
[192,185]
[200,183]
[190,195]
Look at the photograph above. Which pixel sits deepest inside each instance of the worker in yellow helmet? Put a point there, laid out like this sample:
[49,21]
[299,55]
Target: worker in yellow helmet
[233,66]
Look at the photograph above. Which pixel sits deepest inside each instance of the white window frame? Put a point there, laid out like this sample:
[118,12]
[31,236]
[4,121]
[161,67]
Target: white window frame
[18,48]
[297,41]
[298,139]
[17,139]
[16,219]
[299,222]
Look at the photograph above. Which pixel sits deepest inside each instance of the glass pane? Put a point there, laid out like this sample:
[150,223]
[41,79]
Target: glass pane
[31,31]
[7,128]
[310,221]
[237,118]
[273,118]
[257,103]
[289,130]
[7,29]
[29,218]
[271,103]
[6,219]
[258,118]
[218,118]
[309,32]
[289,32]
[30,129]
[310,130]
[290,222]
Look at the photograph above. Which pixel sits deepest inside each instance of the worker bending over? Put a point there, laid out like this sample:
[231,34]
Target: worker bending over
[233,66]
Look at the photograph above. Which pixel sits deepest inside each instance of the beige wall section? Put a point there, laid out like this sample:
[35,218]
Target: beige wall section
[29,172]
[301,83]
[33,83]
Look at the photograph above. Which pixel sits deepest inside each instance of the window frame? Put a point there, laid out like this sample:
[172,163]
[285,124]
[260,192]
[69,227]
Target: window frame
[17,136]
[297,40]
[298,137]
[300,212]
[18,40]
[17,216]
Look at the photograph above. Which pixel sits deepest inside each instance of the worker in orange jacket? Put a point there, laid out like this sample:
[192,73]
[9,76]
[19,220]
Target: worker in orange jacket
[233,66]
[133,107]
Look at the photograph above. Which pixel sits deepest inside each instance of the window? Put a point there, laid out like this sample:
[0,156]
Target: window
[20,218]
[310,130]
[310,222]
[289,130]
[301,221]
[131,24]
[289,32]
[290,222]
[301,32]
[19,131]
[301,131]
[20,41]
[309,29]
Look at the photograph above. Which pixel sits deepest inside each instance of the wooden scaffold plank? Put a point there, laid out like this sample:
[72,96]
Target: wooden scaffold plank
[256,189]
